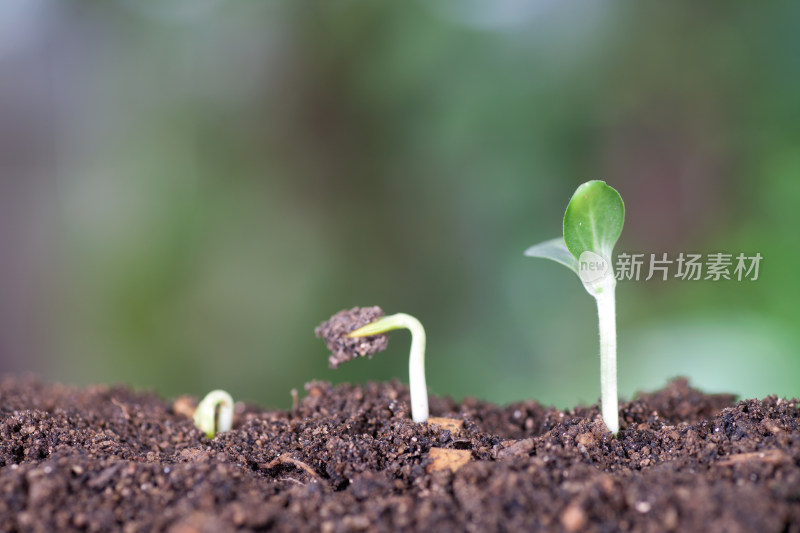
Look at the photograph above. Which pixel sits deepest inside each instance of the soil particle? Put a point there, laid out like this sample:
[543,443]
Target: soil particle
[452,425]
[343,348]
[348,458]
[447,459]
[573,518]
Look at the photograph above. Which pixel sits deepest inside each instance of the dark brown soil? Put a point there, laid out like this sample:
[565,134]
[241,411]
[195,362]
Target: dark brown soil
[349,458]
[343,348]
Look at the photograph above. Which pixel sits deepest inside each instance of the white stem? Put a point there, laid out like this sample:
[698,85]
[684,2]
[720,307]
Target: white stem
[416,359]
[205,416]
[416,370]
[606,314]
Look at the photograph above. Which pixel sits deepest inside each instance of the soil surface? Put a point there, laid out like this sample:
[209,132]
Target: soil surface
[349,458]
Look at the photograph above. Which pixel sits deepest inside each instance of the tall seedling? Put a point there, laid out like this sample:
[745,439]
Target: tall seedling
[592,224]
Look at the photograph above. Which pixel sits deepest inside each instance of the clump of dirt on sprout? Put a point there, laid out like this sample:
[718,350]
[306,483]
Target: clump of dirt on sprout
[343,348]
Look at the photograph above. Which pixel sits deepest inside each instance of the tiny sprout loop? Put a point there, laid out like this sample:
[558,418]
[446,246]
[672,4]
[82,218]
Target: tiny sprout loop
[416,359]
[205,416]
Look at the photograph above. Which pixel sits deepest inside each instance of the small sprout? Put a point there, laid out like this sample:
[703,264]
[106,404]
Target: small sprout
[416,359]
[592,224]
[362,331]
[206,418]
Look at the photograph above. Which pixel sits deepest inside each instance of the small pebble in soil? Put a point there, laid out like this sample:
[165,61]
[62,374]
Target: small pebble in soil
[343,348]
[573,518]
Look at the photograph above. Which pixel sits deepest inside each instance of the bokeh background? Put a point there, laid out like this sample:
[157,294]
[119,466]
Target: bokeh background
[188,187]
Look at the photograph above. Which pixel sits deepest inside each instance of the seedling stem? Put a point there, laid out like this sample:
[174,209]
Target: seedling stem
[416,359]
[606,314]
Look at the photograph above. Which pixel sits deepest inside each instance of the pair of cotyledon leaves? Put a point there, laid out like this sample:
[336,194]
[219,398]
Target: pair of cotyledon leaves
[592,223]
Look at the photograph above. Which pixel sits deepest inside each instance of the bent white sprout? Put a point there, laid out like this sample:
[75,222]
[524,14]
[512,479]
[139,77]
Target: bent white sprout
[205,416]
[416,359]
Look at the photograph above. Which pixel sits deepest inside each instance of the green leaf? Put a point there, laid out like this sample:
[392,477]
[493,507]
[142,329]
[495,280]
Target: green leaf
[555,250]
[593,220]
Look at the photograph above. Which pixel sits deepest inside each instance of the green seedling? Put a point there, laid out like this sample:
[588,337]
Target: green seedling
[592,224]
[206,418]
[416,360]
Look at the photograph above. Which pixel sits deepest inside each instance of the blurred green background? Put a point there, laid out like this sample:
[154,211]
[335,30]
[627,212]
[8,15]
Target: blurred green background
[189,187]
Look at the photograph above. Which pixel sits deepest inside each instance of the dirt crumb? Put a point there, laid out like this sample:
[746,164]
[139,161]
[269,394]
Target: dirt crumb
[447,459]
[343,348]
[573,518]
[184,405]
[452,425]
[586,440]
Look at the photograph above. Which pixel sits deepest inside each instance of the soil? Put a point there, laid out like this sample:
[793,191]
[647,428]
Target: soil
[349,458]
[343,348]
